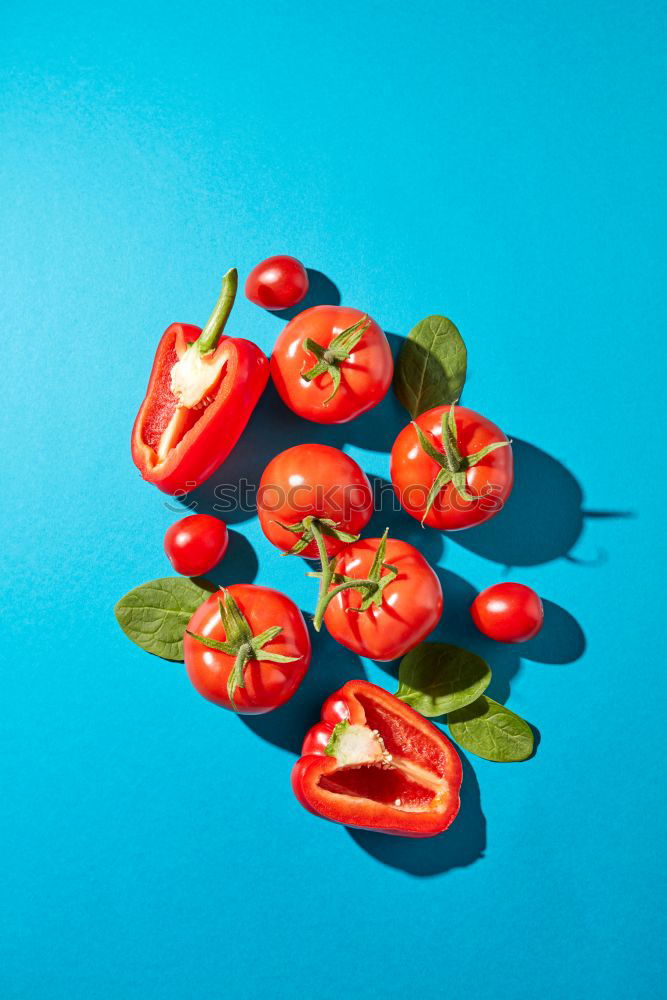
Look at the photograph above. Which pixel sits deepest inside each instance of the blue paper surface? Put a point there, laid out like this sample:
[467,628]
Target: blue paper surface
[498,163]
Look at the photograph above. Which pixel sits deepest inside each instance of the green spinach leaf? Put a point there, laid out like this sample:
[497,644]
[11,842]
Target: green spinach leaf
[155,615]
[491,731]
[431,366]
[436,678]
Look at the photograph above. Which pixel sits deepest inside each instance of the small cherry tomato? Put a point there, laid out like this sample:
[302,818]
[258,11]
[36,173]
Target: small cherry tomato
[195,544]
[331,363]
[247,648]
[452,468]
[508,612]
[313,492]
[391,620]
[277,283]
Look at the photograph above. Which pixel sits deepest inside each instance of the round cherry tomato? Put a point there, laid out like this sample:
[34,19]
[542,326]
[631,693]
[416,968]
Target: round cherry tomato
[196,544]
[480,453]
[266,683]
[508,612]
[277,282]
[410,606]
[331,363]
[313,480]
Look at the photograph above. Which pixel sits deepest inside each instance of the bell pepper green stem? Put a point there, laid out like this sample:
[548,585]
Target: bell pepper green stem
[210,336]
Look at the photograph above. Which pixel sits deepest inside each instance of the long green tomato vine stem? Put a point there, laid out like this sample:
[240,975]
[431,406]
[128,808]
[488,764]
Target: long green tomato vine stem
[371,587]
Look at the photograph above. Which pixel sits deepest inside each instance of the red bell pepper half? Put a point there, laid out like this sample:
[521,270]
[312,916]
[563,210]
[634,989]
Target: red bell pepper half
[202,390]
[375,763]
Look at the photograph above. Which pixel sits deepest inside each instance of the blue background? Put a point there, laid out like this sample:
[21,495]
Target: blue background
[494,162]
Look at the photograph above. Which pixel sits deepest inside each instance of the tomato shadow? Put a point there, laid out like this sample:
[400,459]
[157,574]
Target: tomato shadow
[541,521]
[461,845]
[239,564]
[322,291]
[561,640]
[331,666]
[388,513]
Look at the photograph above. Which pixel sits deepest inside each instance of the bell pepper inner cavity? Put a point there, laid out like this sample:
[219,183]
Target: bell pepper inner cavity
[167,422]
[195,377]
[387,761]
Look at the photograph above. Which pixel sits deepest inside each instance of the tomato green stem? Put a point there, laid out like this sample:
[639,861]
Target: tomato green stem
[210,336]
[371,588]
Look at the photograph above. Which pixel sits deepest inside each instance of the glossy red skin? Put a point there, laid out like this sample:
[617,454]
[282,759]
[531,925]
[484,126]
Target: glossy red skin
[209,441]
[195,544]
[508,612]
[410,610]
[318,480]
[277,283]
[341,705]
[267,685]
[491,479]
[366,375]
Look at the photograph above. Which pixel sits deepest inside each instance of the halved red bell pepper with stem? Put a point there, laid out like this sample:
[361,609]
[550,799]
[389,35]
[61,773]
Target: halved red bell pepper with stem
[373,762]
[202,390]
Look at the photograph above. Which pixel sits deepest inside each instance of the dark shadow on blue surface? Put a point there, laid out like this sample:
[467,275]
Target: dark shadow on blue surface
[460,846]
[331,666]
[321,292]
[239,564]
[537,739]
[561,640]
[542,519]
[388,513]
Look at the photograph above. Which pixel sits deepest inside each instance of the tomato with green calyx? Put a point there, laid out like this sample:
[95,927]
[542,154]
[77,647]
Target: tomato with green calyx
[278,282]
[375,763]
[247,648]
[332,363]
[381,598]
[313,499]
[195,544]
[508,612]
[451,468]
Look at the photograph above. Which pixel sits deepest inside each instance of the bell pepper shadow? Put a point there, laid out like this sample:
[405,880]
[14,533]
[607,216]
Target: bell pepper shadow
[461,845]
[330,667]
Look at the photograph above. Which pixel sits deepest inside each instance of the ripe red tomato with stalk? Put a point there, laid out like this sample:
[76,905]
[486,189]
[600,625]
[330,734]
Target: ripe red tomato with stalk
[380,598]
[247,648]
[375,763]
[332,363]
[195,544]
[508,612]
[452,468]
[278,282]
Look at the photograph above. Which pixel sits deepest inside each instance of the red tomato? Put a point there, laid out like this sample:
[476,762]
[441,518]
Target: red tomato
[508,612]
[277,283]
[196,544]
[410,607]
[267,684]
[351,354]
[486,480]
[318,481]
